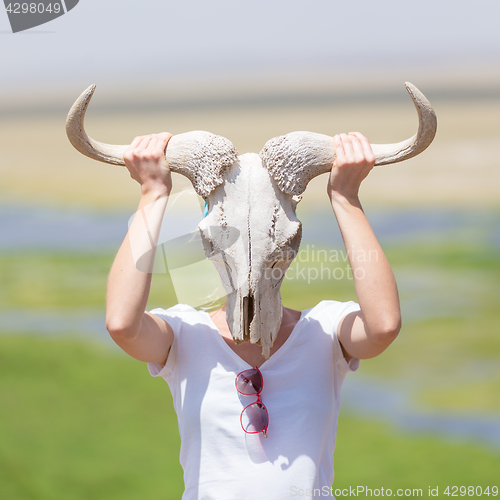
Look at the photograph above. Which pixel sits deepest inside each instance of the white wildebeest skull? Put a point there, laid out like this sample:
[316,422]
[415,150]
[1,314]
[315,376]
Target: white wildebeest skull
[254,196]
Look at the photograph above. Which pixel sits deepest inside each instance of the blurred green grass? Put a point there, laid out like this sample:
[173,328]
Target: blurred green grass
[452,355]
[60,281]
[80,422]
[453,332]
[371,453]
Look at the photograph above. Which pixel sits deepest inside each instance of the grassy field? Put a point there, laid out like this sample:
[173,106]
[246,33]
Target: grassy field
[448,346]
[80,422]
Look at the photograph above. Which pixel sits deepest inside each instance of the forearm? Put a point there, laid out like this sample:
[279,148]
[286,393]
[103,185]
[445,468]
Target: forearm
[373,277]
[130,277]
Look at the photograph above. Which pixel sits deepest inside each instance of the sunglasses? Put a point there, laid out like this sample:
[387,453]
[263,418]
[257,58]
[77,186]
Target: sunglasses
[254,417]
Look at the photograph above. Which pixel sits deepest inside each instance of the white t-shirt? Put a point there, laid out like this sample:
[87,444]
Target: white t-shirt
[301,391]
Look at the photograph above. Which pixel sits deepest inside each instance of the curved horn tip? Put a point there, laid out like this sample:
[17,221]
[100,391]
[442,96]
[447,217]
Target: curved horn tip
[75,131]
[80,105]
[87,94]
[413,91]
[89,91]
[411,88]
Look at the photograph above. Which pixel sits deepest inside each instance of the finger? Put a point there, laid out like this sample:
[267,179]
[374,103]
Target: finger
[359,153]
[143,144]
[164,138]
[349,151]
[339,149]
[134,143]
[165,135]
[153,143]
[365,144]
[359,135]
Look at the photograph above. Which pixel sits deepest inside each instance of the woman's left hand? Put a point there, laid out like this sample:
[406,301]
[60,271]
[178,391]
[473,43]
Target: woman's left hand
[354,160]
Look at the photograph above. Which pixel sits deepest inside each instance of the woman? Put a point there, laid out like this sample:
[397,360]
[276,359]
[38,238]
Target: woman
[226,452]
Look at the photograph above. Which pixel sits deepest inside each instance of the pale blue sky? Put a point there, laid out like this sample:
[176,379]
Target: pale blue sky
[135,40]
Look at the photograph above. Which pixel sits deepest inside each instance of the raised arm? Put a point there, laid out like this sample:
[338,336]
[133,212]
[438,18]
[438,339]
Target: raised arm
[140,334]
[367,333]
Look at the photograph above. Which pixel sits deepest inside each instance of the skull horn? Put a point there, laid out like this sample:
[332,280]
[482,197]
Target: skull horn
[200,156]
[296,158]
[75,131]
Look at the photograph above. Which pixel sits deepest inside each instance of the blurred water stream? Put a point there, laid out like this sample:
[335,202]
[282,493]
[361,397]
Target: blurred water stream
[26,227]
[393,402]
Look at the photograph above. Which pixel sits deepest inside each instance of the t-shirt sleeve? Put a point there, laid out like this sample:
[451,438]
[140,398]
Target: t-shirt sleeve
[338,311]
[157,369]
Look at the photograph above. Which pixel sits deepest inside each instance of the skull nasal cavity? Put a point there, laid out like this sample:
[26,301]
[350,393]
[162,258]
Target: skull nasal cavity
[247,315]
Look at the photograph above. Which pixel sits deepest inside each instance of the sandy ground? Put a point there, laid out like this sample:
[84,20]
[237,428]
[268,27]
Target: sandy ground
[461,168]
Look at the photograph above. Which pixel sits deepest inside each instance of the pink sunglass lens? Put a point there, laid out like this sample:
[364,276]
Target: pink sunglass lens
[254,418]
[249,382]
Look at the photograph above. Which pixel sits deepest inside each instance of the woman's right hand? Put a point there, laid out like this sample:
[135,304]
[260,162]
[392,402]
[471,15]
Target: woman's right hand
[145,160]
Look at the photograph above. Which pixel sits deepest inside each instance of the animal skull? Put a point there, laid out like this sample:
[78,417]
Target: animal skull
[256,195]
